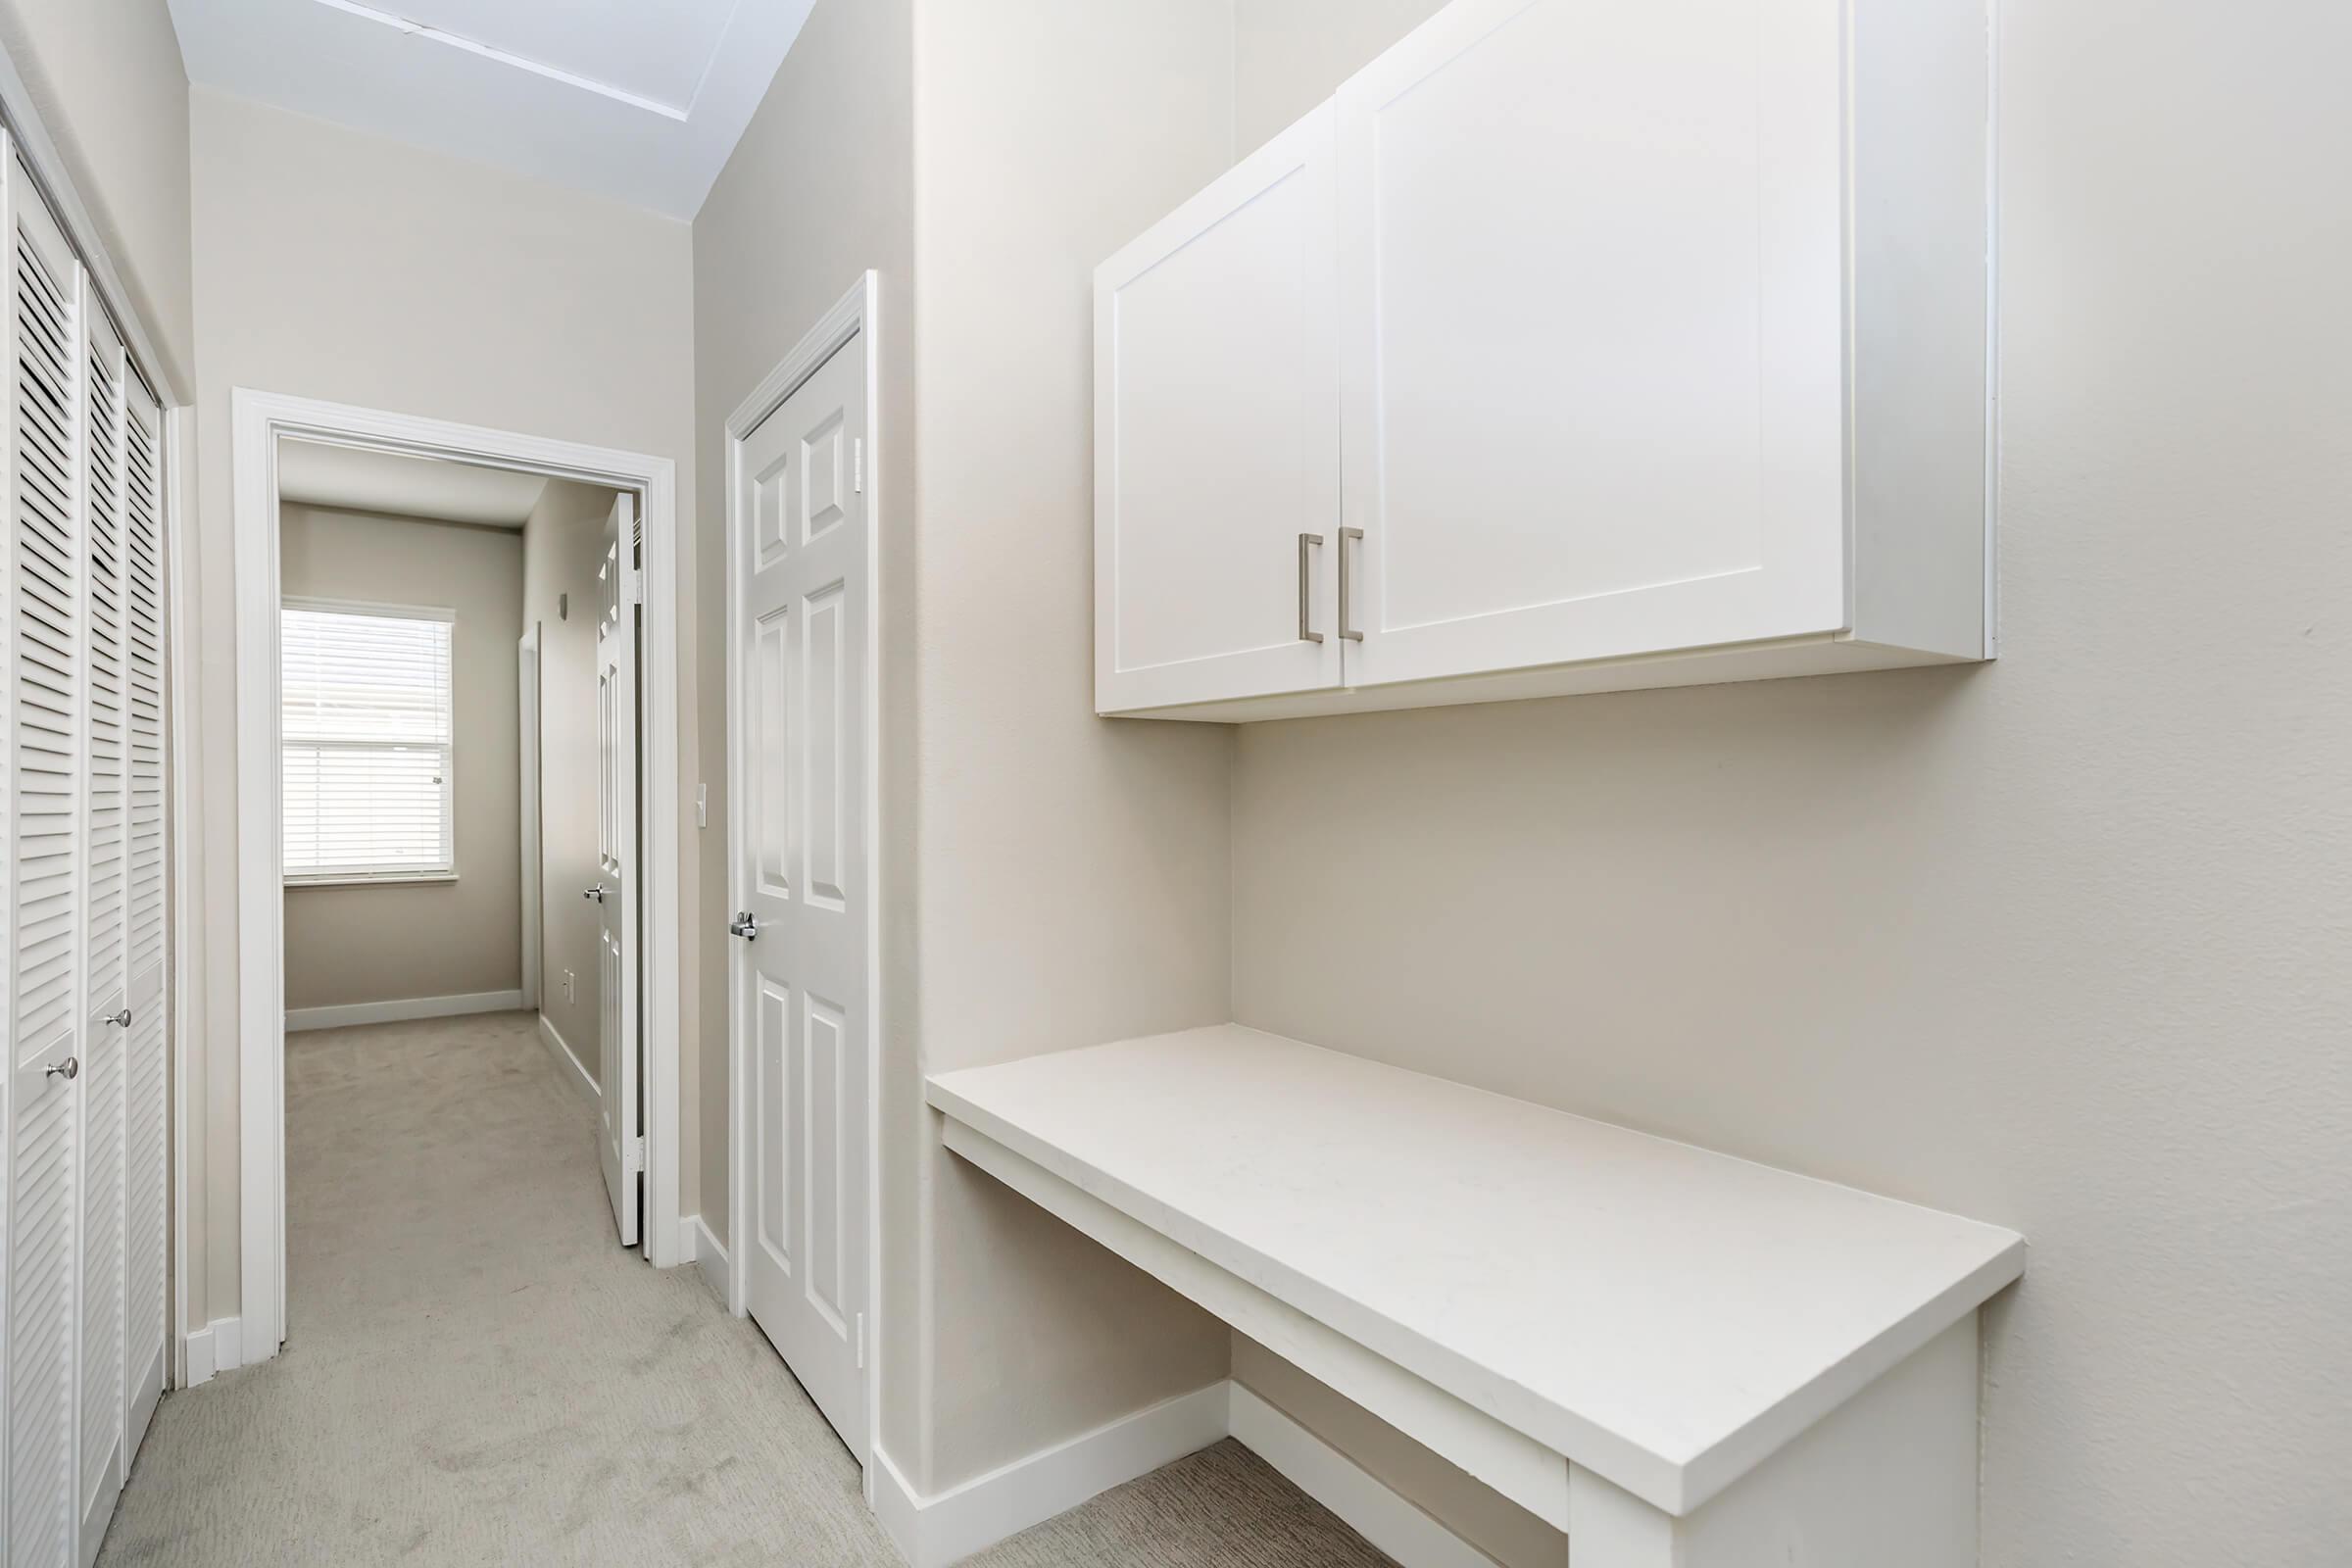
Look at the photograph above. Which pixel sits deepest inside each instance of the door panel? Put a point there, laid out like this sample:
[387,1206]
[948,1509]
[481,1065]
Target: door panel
[106,835]
[1592,360]
[146,1142]
[1217,439]
[803,692]
[46,887]
[615,890]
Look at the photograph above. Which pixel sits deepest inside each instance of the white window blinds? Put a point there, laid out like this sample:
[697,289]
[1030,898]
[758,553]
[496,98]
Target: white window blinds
[368,738]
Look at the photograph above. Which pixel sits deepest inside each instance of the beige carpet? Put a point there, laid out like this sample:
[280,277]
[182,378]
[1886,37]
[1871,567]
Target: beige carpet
[477,1374]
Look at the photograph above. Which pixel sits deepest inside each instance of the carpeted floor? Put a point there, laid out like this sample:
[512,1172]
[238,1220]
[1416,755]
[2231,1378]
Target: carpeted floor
[477,1374]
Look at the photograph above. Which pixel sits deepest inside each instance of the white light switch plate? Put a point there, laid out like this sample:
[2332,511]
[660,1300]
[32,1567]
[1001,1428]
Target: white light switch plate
[702,805]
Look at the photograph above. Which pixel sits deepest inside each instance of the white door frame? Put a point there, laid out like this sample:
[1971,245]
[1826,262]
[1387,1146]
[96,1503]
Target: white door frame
[526,807]
[258,419]
[853,315]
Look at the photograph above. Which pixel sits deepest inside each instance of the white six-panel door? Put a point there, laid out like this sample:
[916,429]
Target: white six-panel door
[83,1302]
[802,1012]
[620,1142]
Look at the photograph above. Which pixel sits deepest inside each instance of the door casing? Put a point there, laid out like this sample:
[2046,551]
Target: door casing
[527,675]
[258,420]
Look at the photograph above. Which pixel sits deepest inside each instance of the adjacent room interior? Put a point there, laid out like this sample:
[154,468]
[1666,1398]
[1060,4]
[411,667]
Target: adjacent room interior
[440,793]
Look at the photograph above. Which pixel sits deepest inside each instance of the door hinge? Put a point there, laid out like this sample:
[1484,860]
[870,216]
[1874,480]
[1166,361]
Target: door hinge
[862,1341]
[636,1161]
[857,464]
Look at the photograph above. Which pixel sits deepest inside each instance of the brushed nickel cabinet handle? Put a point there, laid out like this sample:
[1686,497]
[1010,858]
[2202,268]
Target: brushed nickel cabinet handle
[1306,598]
[1346,535]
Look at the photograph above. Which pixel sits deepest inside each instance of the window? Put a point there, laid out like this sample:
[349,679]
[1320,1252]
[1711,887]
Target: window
[366,742]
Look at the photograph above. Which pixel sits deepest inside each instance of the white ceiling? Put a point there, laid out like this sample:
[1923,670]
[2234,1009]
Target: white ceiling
[641,100]
[312,473]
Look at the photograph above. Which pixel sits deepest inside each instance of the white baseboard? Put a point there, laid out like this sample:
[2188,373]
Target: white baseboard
[933,1531]
[704,1251]
[1366,1503]
[215,1347]
[299,1019]
[896,1508]
[566,1062]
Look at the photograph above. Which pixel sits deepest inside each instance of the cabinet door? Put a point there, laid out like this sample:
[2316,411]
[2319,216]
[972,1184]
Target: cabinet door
[1216,440]
[1591,340]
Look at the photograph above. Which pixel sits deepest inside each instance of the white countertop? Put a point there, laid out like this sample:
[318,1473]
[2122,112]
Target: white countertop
[1662,1314]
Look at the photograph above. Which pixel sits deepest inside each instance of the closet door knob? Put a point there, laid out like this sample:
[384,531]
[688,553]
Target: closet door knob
[67,1069]
[121,1021]
[746,925]
[595,895]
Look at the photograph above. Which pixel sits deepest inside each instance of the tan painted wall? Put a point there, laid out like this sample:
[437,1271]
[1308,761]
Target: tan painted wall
[562,545]
[110,91]
[1073,870]
[336,265]
[1288,55]
[425,939]
[819,189]
[2058,943]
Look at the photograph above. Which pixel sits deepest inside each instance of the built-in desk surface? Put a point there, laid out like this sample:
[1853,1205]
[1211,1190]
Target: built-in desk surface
[1660,1314]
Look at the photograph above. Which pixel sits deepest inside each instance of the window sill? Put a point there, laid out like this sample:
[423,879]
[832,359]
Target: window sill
[297,883]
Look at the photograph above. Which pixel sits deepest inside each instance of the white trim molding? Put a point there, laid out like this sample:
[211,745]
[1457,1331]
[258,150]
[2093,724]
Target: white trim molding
[215,1347]
[709,1254]
[185,960]
[1364,1503]
[854,316]
[572,1070]
[949,1526]
[258,419]
[347,1014]
[974,1515]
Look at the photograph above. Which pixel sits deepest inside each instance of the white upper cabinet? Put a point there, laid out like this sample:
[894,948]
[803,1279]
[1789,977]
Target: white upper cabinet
[1217,439]
[1660,357]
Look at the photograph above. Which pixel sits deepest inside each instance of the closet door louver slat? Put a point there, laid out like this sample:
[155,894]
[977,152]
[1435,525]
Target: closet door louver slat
[45,766]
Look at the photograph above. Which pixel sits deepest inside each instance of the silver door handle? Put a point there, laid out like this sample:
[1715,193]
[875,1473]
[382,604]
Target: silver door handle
[1346,536]
[121,1021]
[745,925]
[67,1069]
[1306,634]
[595,894]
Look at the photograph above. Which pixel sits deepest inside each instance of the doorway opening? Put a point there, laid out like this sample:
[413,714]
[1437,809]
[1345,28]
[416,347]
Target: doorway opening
[419,605]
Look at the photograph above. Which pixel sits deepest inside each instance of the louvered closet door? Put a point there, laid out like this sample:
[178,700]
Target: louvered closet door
[107,1021]
[146,1323]
[46,918]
